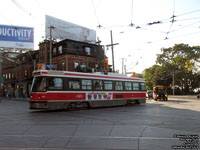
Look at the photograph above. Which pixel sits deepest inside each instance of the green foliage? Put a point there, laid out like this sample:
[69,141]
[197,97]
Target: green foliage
[139,75]
[180,61]
[150,76]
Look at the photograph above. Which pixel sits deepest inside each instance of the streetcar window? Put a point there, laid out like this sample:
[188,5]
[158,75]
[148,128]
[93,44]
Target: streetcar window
[55,83]
[135,86]
[86,84]
[128,86]
[107,85]
[39,84]
[97,84]
[74,84]
[118,86]
[142,86]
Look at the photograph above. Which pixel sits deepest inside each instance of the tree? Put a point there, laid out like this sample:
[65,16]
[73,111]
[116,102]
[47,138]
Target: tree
[180,63]
[149,76]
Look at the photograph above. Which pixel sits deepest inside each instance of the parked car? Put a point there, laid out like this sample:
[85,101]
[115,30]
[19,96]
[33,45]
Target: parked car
[149,94]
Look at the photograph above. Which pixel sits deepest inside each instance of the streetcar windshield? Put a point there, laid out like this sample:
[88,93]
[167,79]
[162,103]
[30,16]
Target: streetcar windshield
[39,84]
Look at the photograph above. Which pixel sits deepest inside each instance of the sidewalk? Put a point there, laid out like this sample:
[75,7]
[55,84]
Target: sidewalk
[15,99]
[194,97]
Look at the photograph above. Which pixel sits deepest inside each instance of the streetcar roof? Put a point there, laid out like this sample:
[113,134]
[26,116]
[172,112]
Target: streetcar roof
[96,75]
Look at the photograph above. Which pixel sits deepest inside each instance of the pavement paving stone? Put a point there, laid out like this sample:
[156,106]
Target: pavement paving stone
[127,130]
[13,129]
[56,142]
[51,130]
[93,130]
[22,141]
[103,143]
[142,127]
[165,133]
[158,144]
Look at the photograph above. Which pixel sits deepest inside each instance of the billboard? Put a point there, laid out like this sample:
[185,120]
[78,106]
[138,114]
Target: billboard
[66,30]
[16,37]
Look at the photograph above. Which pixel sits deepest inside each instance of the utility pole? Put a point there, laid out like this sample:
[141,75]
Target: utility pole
[113,62]
[50,52]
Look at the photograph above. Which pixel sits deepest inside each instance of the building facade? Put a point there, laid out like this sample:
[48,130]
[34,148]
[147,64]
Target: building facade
[67,55]
[73,56]
[17,74]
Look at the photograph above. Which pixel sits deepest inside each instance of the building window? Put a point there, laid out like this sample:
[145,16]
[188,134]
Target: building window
[63,65]
[9,75]
[60,50]
[87,50]
[54,51]
[25,73]
[96,65]
[76,64]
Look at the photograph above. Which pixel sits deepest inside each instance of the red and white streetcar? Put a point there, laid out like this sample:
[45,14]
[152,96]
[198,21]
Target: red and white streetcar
[65,90]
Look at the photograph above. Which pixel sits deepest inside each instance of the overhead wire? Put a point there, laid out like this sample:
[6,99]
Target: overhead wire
[185,26]
[172,19]
[189,12]
[172,22]
[164,21]
[95,13]
[150,42]
[184,35]
[25,11]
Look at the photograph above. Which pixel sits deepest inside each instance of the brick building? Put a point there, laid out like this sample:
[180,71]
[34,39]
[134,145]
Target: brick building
[73,55]
[67,55]
[17,74]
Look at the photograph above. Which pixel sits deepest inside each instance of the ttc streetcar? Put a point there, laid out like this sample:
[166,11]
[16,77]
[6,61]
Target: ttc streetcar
[65,90]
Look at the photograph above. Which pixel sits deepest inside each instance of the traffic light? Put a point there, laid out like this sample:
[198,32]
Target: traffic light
[106,64]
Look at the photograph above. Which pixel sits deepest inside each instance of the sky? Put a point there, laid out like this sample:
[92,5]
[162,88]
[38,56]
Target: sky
[153,25]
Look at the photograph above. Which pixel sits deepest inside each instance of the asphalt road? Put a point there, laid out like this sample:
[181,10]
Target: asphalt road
[156,125]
